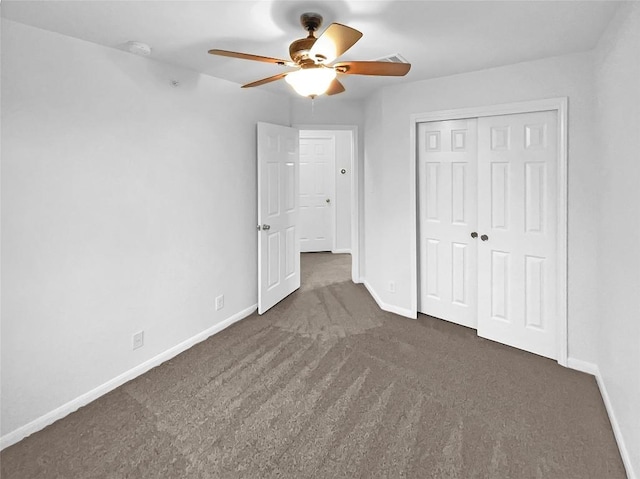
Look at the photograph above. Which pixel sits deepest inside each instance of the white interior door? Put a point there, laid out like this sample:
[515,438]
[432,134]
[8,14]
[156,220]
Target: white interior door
[517,171]
[447,193]
[278,244]
[317,193]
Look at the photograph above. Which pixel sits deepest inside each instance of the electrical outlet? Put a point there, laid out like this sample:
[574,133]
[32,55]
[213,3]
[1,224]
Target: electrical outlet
[138,340]
[392,286]
[220,302]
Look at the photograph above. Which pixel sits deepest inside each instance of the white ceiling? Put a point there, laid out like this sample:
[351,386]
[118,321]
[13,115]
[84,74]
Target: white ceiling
[438,38]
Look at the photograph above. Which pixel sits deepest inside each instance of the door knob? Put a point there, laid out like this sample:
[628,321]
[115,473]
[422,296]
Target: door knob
[474,235]
[328,200]
[266,227]
[484,237]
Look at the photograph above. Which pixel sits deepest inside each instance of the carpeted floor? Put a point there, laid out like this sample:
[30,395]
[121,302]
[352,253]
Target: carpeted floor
[326,385]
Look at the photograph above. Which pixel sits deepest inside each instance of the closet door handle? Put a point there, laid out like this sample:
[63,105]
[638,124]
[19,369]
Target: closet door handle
[484,237]
[474,235]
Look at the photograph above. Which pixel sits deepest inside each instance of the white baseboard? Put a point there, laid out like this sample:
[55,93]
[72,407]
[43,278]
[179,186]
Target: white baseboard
[582,366]
[341,251]
[591,368]
[624,452]
[391,308]
[43,421]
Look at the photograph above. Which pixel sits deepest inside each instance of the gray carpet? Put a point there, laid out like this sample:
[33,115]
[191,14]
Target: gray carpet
[326,385]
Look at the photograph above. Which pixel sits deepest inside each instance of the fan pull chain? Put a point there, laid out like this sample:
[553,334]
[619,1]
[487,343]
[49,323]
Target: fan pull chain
[313,105]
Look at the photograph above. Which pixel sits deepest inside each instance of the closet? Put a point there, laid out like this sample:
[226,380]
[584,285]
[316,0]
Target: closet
[487,226]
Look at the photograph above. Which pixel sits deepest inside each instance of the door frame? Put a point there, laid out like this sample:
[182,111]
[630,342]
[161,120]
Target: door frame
[560,105]
[355,192]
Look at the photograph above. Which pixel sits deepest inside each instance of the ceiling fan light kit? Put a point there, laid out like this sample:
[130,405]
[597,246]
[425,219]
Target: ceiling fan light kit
[313,57]
[311,81]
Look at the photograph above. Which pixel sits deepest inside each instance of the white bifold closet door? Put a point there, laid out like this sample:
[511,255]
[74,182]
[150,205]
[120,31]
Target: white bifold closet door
[517,176]
[448,214]
[488,227]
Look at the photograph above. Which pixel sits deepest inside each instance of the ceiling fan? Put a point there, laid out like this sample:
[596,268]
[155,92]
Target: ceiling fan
[313,57]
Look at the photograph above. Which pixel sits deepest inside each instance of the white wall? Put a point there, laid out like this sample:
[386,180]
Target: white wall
[388,212]
[618,294]
[126,205]
[344,153]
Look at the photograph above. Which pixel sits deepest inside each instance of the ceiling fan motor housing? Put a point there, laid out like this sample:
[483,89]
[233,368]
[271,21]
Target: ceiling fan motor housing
[299,49]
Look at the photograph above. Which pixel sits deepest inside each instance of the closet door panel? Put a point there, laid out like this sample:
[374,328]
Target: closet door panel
[447,194]
[517,168]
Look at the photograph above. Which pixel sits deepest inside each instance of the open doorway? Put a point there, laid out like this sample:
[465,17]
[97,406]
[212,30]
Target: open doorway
[278,230]
[328,213]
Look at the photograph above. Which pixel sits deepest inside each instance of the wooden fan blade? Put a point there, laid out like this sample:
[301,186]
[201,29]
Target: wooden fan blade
[373,68]
[335,87]
[335,40]
[266,80]
[248,56]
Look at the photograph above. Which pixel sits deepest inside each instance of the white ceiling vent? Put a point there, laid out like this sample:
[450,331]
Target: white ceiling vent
[395,58]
